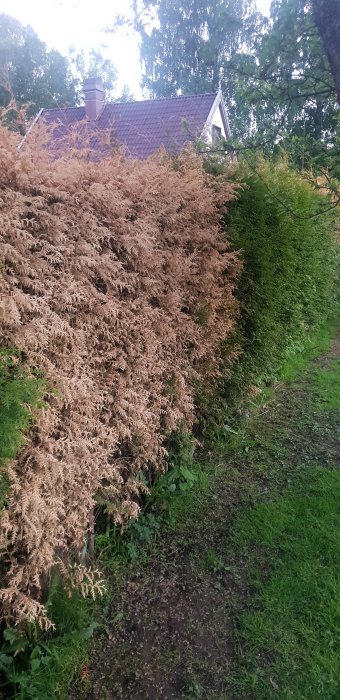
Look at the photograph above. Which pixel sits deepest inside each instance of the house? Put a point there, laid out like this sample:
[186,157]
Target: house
[140,127]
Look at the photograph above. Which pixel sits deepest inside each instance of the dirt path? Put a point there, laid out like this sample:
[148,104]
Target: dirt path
[171,629]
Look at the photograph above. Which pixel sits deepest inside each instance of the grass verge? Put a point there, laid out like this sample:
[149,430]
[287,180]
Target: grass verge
[291,637]
[313,346]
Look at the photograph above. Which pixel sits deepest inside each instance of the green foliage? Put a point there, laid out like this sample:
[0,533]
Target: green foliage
[36,665]
[163,506]
[213,561]
[313,346]
[174,494]
[287,289]
[290,265]
[125,96]
[326,15]
[92,64]
[194,46]
[292,635]
[21,394]
[274,75]
[289,89]
[37,77]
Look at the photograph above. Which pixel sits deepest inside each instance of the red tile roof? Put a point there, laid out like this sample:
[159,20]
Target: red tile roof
[142,127]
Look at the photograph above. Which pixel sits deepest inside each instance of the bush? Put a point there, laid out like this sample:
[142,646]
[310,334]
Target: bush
[118,283]
[287,286]
[289,263]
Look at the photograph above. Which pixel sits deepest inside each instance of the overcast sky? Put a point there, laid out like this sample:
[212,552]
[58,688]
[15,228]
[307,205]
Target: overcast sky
[82,23]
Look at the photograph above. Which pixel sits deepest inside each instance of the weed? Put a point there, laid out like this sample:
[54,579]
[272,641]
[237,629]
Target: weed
[195,691]
[214,562]
[313,346]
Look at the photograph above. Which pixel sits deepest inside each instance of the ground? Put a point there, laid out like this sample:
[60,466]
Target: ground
[183,620]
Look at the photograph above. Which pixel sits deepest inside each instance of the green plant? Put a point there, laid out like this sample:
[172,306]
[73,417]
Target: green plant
[113,545]
[140,534]
[195,691]
[21,395]
[288,286]
[36,665]
[328,385]
[213,561]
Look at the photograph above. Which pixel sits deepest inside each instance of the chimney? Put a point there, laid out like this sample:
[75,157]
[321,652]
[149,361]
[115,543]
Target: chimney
[94,97]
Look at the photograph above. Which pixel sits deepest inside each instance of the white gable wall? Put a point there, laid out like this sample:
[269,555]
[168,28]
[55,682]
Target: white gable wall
[217,117]
[215,120]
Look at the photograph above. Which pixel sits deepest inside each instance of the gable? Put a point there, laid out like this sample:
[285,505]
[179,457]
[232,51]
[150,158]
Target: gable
[217,125]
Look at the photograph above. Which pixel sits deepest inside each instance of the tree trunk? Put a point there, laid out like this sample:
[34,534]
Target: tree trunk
[327,19]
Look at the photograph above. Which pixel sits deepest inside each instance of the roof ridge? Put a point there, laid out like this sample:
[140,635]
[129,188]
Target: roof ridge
[151,100]
[59,109]
[164,99]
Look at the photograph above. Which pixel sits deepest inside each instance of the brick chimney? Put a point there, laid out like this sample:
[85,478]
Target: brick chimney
[94,97]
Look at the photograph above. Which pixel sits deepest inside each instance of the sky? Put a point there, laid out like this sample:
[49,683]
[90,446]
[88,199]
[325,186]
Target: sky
[82,24]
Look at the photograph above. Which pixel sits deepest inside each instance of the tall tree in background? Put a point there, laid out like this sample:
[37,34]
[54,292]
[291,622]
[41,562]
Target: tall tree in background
[327,20]
[291,91]
[31,74]
[191,50]
[32,77]
[92,65]
[275,75]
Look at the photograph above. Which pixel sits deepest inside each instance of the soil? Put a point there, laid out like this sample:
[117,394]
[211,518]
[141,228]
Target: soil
[171,626]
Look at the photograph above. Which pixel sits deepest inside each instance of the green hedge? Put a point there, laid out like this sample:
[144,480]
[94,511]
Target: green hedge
[288,284]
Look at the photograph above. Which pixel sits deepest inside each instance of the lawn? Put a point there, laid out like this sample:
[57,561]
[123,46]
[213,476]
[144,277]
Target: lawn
[291,636]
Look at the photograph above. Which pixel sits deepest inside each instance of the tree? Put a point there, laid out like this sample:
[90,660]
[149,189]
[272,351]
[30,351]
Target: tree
[192,49]
[31,74]
[327,20]
[125,96]
[32,77]
[92,64]
[289,91]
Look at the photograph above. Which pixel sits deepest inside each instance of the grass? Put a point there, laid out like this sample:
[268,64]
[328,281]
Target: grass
[328,386]
[301,357]
[291,637]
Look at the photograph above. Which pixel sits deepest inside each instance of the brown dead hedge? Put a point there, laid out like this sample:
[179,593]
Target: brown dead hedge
[117,283]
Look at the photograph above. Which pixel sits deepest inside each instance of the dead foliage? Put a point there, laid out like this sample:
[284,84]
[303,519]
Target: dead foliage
[117,283]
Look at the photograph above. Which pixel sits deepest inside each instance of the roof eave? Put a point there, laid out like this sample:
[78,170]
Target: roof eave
[33,123]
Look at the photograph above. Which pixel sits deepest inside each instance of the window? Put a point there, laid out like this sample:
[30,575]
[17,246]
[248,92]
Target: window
[216,133]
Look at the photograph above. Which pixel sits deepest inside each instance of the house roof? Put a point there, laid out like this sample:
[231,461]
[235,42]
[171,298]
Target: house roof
[142,127]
